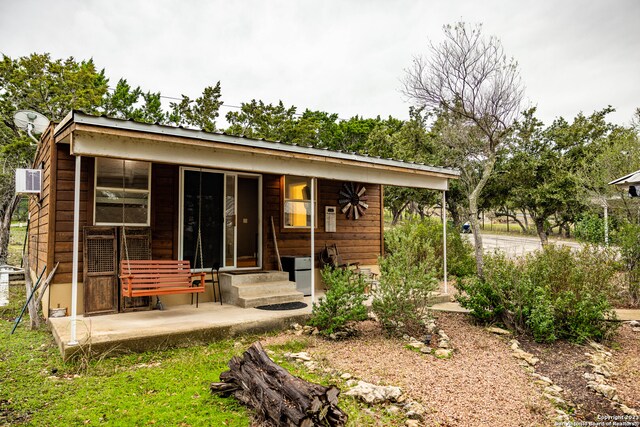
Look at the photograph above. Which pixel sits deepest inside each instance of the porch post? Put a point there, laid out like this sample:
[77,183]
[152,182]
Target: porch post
[76,237]
[444,240]
[313,240]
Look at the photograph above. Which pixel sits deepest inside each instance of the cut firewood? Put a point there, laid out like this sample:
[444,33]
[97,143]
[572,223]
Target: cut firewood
[276,395]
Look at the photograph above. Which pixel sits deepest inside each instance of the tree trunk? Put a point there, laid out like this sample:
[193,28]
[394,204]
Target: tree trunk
[473,213]
[515,218]
[544,239]
[5,226]
[276,395]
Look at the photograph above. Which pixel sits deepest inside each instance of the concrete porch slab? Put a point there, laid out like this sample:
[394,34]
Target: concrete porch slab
[176,326]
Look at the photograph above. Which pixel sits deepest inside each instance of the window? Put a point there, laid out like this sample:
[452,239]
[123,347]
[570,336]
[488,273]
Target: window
[122,192]
[297,202]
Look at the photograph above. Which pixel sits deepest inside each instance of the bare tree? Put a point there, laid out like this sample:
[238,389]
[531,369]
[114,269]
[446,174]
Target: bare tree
[469,77]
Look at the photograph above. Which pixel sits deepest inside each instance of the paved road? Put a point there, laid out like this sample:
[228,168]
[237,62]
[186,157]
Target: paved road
[515,245]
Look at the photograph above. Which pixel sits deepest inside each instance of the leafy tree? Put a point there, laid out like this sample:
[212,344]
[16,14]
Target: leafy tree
[201,112]
[470,79]
[51,87]
[124,102]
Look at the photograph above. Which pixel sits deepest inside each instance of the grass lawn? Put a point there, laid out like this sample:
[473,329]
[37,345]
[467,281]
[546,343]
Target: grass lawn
[166,388]
[16,241]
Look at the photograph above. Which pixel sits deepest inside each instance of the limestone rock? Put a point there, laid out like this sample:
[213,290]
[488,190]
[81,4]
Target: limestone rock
[443,353]
[346,376]
[302,356]
[498,331]
[628,411]
[372,393]
[542,378]
[393,409]
[426,350]
[444,344]
[527,357]
[556,400]
[606,390]
[553,389]
[634,324]
[412,423]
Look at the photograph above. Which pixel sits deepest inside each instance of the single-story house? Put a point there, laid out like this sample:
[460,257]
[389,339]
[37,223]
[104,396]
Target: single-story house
[116,190]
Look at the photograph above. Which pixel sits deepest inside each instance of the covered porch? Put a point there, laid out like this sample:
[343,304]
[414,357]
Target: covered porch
[176,326]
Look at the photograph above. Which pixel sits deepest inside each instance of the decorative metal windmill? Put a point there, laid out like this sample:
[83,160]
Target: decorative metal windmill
[352,200]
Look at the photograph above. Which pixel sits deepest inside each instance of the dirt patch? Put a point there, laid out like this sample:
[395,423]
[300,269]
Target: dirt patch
[626,358]
[482,384]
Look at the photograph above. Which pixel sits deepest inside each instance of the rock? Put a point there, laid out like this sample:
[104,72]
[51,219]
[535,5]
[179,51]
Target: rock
[635,329]
[558,401]
[372,393]
[443,353]
[553,389]
[315,331]
[498,331]
[542,378]
[412,423]
[444,344]
[296,326]
[393,409]
[442,335]
[589,377]
[527,357]
[298,332]
[299,356]
[311,365]
[426,350]
[351,383]
[606,390]
[416,409]
[628,411]
[346,376]
[413,415]
[604,369]
[416,344]
[634,324]
[515,345]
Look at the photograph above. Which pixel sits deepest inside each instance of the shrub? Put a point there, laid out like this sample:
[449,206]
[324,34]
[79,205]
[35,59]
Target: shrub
[552,294]
[407,281]
[628,241]
[342,303]
[428,235]
[590,228]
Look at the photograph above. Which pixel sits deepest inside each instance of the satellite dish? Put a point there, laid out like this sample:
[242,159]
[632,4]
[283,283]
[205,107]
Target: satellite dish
[31,122]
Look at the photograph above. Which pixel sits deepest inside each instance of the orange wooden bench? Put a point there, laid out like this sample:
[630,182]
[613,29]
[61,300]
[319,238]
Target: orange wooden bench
[141,278]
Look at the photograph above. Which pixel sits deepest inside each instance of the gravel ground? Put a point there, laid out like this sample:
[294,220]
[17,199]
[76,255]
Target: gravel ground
[481,385]
[626,358]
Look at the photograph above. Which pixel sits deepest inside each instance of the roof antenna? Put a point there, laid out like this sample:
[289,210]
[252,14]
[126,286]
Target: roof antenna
[31,122]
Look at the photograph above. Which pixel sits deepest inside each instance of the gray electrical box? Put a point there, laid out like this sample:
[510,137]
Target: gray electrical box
[330,219]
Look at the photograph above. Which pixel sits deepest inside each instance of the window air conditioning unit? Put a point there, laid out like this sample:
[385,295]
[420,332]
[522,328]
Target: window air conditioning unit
[28,181]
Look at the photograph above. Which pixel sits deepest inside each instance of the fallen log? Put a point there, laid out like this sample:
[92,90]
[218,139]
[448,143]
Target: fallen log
[276,395]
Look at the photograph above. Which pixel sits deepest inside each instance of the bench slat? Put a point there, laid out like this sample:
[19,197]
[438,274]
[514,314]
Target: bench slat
[158,277]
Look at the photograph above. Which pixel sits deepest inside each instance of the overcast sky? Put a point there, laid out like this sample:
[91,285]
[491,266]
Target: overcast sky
[342,56]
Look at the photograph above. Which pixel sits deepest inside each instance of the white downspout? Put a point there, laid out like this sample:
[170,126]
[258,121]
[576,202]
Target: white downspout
[606,224]
[76,237]
[444,240]
[313,240]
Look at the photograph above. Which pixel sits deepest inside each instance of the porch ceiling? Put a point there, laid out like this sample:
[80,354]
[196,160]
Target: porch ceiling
[107,137]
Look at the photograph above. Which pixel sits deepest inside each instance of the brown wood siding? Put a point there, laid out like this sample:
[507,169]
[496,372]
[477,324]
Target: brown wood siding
[164,211]
[63,228]
[358,241]
[39,208]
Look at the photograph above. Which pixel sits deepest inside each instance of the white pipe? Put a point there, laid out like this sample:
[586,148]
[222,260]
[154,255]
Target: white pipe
[606,225]
[313,240]
[444,237]
[76,237]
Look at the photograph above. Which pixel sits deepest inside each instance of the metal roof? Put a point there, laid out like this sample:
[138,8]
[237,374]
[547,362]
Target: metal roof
[632,179]
[180,131]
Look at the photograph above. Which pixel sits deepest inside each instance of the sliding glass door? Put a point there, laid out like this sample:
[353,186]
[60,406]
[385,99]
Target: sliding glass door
[224,210]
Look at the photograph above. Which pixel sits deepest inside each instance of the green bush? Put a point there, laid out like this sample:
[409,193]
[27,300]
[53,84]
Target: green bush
[342,303]
[551,294]
[428,235]
[628,242]
[590,228]
[407,281]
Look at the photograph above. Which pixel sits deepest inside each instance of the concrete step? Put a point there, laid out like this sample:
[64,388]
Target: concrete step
[266,288]
[281,298]
[258,277]
[438,298]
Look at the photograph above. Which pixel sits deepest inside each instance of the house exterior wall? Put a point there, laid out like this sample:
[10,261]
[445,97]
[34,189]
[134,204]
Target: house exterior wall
[357,240]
